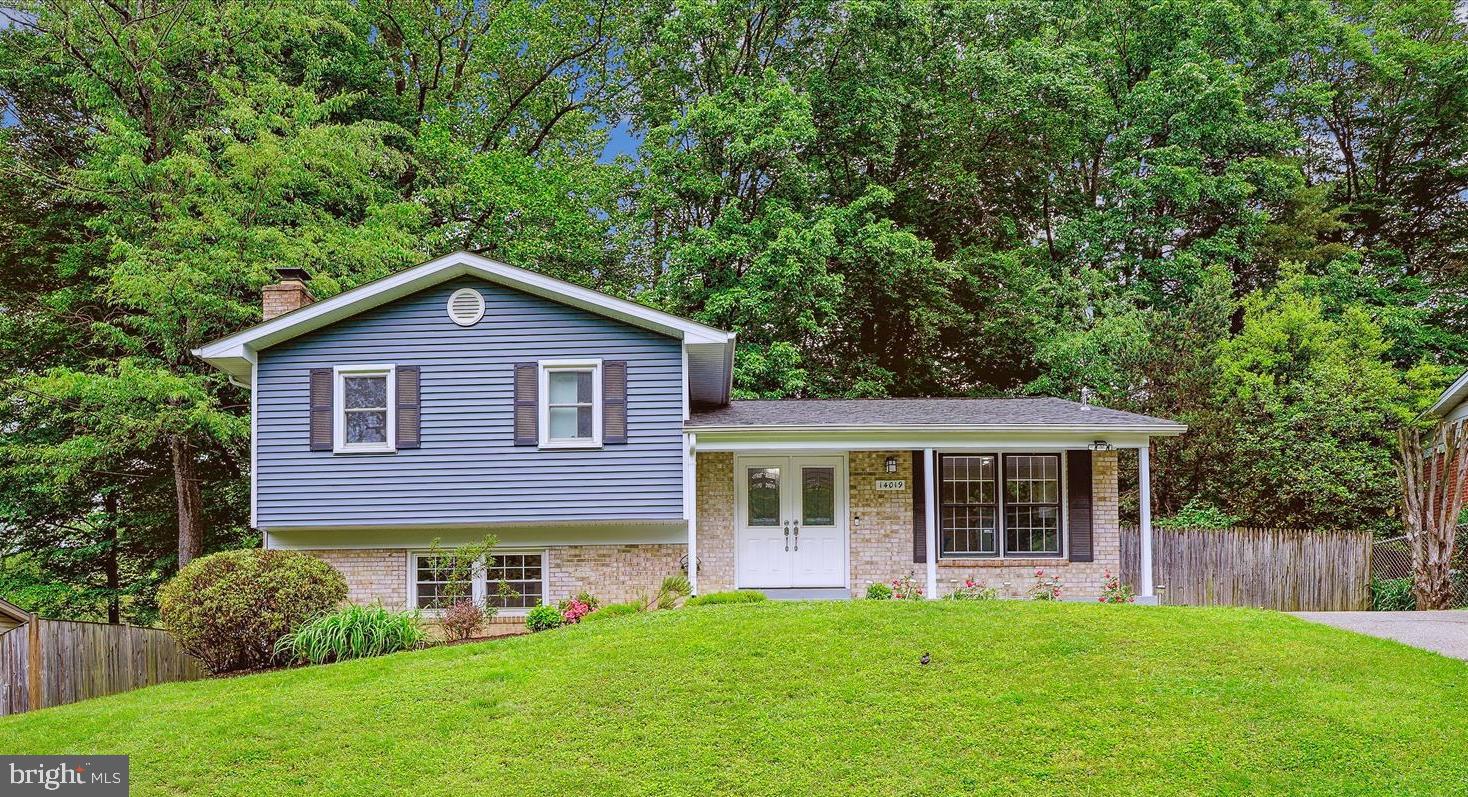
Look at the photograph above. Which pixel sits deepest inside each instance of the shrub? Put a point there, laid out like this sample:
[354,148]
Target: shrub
[229,609]
[1046,588]
[879,591]
[461,619]
[1113,591]
[974,591]
[613,610]
[907,588]
[736,596]
[352,632]
[573,609]
[544,617]
[1198,514]
[670,593]
[1392,595]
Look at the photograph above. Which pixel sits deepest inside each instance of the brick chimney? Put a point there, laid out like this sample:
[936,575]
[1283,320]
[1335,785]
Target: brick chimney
[287,294]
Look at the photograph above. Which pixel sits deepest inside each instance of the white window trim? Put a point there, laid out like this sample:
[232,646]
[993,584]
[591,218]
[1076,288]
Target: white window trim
[479,587]
[547,367]
[1000,526]
[339,409]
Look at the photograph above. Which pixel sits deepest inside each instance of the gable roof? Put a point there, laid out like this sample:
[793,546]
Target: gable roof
[8,609]
[933,413]
[710,351]
[1455,395]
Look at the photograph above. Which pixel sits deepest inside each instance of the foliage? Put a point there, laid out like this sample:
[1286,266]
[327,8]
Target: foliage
[573,609]
[458,565]
[1113,590]
[229,609]
[351,632]
[973,591]
[879,591]
[670,594]
[1392,595]
[461,619]
[614,610]
[544,617]
[1198,514]
[1247,217]
[1046,587]
[732,596]
[907,588]
[1231,681]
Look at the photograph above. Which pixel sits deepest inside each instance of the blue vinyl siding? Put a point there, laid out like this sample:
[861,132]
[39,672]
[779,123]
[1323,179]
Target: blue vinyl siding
[469,470]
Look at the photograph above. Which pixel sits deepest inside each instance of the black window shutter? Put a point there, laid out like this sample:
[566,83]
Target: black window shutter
[527,404]
[321,390]
[919,509]
[409,378]
[614,402]
[1078,505]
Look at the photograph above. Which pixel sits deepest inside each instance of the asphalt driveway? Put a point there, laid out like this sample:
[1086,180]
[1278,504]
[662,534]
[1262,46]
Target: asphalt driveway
[1443,632]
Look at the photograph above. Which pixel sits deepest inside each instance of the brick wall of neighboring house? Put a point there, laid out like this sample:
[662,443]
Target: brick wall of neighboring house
[715,503]
[613,573]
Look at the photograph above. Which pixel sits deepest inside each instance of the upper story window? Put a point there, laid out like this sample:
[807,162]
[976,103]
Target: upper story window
[364,402]
[570,403]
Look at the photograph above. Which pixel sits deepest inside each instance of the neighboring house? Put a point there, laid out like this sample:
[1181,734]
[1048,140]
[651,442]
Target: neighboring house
[1452,405]
[596,438]
[12,616]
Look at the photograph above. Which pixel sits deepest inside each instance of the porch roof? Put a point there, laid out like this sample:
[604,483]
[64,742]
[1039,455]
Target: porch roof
[1032,414]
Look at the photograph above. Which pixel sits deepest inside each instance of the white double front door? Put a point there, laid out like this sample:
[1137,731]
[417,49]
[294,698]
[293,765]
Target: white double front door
[790,522]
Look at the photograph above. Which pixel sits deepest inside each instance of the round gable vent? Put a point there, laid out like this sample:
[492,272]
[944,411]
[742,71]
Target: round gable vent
[466,307]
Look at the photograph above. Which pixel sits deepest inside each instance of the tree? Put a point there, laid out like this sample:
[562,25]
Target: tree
[1432,481]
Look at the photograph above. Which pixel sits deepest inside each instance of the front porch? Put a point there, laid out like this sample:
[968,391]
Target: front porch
[748,516]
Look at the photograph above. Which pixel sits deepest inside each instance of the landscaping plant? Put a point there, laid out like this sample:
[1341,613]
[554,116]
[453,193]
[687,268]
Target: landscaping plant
[1392,595]
[229,609]
[879,591]
[1113,590]
[1046,588]
[670,594]
[573,609]
[352,632]
[462,618]
[734,596]
[544,617]
[907,588]
[974,591]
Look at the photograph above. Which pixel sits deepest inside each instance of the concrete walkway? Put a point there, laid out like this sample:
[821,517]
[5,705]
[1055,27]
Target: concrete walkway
[1444,632]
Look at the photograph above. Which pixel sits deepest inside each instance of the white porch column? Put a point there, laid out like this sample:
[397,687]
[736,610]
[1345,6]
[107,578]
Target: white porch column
[1144,526]
[931,522]
[690,506]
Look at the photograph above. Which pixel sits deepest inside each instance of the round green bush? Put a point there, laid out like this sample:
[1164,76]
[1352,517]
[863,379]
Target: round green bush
[544,617]
[736,596]
[229,609]
[879,591]
[613,610]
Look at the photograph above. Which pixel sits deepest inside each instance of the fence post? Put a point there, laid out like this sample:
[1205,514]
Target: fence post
[33,665]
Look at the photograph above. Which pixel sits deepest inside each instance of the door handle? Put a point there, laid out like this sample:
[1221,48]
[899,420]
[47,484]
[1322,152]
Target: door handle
[787,535]
[797,535]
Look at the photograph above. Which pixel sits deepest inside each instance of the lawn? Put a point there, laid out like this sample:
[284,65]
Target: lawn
[805,699]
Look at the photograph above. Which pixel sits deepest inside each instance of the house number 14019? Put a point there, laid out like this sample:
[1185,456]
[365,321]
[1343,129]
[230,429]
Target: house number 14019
[891,484]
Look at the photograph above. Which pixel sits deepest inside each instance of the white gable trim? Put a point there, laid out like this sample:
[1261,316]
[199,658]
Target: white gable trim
[233,354]
[1451,399]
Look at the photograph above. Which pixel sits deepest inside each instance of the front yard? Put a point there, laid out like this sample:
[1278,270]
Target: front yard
[1019,698]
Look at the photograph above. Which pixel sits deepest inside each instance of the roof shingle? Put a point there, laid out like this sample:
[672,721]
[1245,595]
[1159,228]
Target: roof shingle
[1037,412]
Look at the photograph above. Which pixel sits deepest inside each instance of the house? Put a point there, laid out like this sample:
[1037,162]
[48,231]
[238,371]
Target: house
[12,616]
[597,439]
[1452,405]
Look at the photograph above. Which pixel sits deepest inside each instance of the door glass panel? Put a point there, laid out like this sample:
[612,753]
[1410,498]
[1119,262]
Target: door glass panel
[818,496]
[764,497]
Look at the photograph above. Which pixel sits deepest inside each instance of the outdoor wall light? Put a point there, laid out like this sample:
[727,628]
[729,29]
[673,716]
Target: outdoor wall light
[891,464]
[1100,445]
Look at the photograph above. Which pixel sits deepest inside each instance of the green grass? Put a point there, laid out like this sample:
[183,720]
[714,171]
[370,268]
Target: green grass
[807,699]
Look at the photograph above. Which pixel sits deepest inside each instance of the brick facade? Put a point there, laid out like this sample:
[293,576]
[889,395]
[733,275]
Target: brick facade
[879,524]
[375,574]
[613,573]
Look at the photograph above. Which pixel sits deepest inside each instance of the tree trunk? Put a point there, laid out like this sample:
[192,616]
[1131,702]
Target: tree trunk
[1432,498]
[190,503]
[114,606]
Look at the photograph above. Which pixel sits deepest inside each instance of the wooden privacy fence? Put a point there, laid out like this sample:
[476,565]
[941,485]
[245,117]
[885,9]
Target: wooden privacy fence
[52,662]
[1285,569]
